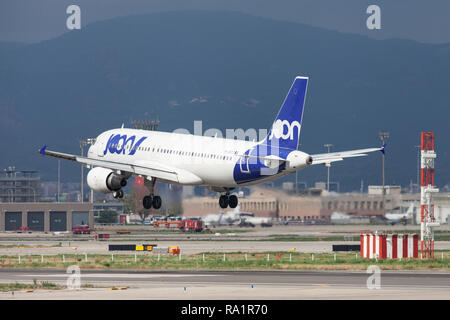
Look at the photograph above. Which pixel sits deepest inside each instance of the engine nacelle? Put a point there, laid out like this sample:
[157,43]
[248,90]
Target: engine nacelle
[298,160]
[105,180]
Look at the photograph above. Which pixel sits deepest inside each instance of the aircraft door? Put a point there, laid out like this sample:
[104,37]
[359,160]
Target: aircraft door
[243,163]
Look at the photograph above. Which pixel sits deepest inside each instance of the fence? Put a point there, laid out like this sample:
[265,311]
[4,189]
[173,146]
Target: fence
[193,260]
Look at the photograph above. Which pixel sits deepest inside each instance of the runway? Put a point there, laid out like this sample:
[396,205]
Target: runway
[235,285]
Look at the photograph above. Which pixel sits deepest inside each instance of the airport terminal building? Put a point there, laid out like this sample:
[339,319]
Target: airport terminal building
[45,216]
[318,205]
[312,206]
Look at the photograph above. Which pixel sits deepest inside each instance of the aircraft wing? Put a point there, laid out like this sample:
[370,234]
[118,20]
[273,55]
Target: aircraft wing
[327,158]
[138,168]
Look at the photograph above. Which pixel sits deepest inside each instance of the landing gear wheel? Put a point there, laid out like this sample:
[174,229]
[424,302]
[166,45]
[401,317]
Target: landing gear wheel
[118,194]
[157,202]
[223,201]
[147,202]
[233,201]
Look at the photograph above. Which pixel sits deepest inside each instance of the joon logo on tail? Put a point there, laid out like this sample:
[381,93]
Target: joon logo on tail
[118,143]
[278,129]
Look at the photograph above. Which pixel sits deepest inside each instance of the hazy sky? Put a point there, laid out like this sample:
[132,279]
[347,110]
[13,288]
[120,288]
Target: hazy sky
[420,20]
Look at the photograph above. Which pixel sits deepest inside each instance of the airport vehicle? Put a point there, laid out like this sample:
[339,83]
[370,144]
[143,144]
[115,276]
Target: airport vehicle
[174,218]
[217,163]
[193,225]
[166,224]
[81,229]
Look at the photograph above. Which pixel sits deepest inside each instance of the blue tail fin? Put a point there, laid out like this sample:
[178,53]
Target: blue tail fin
[285,131]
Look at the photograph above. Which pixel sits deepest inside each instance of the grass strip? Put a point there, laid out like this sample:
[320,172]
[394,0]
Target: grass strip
[229,261]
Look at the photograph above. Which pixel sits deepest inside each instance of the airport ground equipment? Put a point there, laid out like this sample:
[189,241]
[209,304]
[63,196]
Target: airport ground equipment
[81,229]
[174,250]
[131,247]
[346,247]
[427,188]
[123,232]
[166,224]
[192,225]
[389,246]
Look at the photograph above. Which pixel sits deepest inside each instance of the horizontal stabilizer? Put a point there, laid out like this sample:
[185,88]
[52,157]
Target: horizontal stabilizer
[327,158]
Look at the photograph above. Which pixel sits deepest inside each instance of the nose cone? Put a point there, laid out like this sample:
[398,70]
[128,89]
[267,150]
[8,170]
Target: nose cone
[298,160]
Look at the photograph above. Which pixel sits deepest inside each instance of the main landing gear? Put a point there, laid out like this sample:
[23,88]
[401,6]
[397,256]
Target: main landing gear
[226,200]
[151,200]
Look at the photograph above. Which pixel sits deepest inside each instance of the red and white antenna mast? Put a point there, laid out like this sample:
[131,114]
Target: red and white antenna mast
[427,219]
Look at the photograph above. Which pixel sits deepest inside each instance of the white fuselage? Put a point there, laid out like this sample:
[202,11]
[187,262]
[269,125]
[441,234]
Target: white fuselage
[200,160]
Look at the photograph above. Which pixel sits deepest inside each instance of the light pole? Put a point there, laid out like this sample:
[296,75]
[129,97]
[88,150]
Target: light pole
[418,167]
[59,173]
[383,136]
[328,146]
[83,143]
[296,175]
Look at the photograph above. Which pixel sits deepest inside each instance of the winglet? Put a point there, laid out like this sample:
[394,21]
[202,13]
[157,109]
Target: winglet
[383,147]
[42,150]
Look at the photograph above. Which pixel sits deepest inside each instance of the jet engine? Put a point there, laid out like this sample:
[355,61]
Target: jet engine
[105,180]
[298,160]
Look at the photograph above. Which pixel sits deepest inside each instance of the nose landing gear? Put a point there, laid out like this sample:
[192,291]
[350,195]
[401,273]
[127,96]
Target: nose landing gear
[118,194]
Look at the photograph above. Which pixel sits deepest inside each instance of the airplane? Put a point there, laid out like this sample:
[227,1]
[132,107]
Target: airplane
[221,219]
[235,217]
[250,219]
[219,164]
[401,217]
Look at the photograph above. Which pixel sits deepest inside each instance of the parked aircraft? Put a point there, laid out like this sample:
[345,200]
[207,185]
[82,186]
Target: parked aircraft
[236,217]
[401,217]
